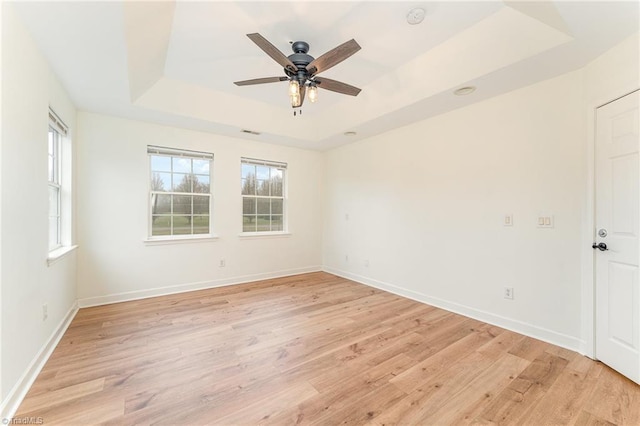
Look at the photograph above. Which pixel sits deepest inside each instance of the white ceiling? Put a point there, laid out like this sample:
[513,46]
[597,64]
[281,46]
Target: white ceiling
[175,62]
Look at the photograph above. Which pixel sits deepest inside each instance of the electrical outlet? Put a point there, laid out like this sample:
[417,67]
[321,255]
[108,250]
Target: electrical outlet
[45,312]
[508,293]
[222,263]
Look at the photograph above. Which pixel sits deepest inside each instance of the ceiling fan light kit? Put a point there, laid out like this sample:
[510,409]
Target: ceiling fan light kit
[301,69]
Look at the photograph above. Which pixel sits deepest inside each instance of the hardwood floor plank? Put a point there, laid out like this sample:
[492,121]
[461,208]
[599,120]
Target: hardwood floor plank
[422,372]
[271,405]
[465,403]
[436,389]
[61,396]
[566,398]
[615,399]
[529,348]
[313,349]
[520,396]
[586,419]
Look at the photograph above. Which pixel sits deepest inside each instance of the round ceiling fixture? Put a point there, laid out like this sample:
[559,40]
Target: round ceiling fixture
[350,133]
[415,15]
[467,90]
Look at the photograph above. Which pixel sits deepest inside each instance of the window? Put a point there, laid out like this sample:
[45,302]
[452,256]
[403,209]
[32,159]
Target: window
[57,129]
[263,189]
[180,189]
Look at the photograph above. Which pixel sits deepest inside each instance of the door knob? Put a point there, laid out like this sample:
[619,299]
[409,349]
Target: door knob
[601,246]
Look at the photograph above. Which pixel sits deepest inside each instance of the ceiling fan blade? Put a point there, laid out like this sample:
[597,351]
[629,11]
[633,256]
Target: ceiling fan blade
[337,86]
[333,57]
[259,81]
[272,51]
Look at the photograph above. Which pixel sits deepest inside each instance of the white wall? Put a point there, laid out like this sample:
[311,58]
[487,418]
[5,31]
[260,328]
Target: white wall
[113,170]
[28,88]
[614,73]
[426,204]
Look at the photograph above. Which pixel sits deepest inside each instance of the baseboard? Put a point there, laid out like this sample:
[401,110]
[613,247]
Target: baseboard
[181,288]
[540,333]
[19,391]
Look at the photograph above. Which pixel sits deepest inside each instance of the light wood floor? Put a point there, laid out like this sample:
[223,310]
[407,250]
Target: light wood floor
[314,349]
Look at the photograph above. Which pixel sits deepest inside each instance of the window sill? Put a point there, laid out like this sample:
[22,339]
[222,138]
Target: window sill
[154,241]
[254,235]
[59,253]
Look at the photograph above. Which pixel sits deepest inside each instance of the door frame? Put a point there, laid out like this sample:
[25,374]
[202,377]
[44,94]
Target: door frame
[588,319]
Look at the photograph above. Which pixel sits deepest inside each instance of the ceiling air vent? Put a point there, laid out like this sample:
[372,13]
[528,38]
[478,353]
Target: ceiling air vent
[251,132]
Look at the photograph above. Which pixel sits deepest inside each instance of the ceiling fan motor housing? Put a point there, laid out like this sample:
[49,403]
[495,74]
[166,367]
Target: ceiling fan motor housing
[300,58]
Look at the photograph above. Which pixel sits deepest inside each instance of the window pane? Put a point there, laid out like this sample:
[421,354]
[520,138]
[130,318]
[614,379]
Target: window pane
[161,225]
[160,163]
[262,172]
[264,206]
[161,181]
[248,170]
[202,185]
[201,224]
[263,223]
[201,167]
[181,165]
[182,225]
[182,205]
[276,206]
[263,187]
[249,186]
[276,173]
[52,177]
[54,205]
[201,205]
[181,183]
[248,224]
[160,204]
[248,206]
[276,187]
[276,223]
[51,138]
[53,232]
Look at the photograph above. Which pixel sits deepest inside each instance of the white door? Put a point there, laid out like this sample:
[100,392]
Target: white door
[617,223]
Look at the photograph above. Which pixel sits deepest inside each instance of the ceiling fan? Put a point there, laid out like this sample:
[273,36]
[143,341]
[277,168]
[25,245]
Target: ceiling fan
[302,69]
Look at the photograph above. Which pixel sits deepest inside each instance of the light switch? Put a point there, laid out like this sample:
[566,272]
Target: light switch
[545,220]
[508,220]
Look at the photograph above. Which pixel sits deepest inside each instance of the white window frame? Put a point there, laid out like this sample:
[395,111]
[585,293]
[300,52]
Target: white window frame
[59,130]
[284,198]
[177,153]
